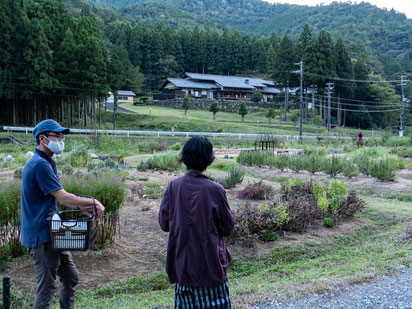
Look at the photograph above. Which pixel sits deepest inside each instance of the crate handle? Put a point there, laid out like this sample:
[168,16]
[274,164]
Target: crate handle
[94,204]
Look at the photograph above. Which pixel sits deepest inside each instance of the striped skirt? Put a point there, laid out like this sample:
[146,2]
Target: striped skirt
[188,297]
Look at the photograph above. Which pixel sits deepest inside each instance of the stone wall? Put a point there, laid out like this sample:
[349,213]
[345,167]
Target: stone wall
[203,104]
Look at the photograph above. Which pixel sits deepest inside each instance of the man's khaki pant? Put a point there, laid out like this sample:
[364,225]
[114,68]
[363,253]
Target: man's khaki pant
[47,265]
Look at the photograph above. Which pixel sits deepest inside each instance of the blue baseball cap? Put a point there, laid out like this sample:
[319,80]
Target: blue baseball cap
[49,125]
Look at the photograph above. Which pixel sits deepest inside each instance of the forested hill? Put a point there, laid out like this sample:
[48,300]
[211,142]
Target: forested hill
[384,32]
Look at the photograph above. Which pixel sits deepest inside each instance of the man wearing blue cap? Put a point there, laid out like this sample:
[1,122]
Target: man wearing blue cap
[40,194]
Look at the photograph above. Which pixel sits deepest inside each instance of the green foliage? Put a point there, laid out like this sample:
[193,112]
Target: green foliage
[396,141]
[383,169]
[18,173]
[176,146]
[256,97]
[281,161]
[337,189]
[147,146]
[255,157]
[68,169]
[297,163]
[321,198]
[329,222]
[78,157]
[332,166]
[313,163]
[214,108]
[186,104]
[110,191]
[154,190]
[164,161]
[243,110]
[308,150]
[235,176]
[350,169]
[270,115]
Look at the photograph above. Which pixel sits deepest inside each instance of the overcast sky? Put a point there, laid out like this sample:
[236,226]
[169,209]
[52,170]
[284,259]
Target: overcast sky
[403,6]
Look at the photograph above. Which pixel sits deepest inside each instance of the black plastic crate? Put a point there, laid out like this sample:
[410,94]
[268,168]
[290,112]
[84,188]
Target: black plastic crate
[73,232]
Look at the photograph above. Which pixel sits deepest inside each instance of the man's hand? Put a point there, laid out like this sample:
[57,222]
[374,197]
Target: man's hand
[85,204]
[88,210]
[99,208]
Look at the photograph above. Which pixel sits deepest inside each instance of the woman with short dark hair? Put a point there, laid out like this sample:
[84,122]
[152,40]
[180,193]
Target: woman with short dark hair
[195,212]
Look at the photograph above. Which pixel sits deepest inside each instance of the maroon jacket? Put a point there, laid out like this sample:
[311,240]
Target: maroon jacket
[196,213]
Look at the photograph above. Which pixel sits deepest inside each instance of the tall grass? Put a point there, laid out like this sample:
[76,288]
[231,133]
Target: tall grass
[110,191]
[10,221]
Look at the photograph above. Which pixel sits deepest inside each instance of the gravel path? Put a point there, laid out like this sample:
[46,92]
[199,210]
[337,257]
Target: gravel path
[389,293]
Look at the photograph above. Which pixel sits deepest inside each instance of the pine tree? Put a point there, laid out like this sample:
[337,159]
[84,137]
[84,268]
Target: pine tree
[285,63]
[303,42]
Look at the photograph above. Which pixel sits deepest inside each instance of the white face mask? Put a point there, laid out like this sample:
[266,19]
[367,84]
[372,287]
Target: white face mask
[56,147]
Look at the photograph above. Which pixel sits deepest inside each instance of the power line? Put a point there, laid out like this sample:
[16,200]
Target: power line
[354,100]
[350,80]
[363,111]
[382,104]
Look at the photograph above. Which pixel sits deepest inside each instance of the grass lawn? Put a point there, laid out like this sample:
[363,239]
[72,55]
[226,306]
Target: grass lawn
[225,122]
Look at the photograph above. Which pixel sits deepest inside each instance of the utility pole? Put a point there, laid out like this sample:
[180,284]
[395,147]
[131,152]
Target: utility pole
[313,102]
[301,95]
[330,87]
[286,100]
[402,125]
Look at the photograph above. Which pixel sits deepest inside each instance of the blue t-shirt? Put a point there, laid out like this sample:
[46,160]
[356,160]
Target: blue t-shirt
[39,179]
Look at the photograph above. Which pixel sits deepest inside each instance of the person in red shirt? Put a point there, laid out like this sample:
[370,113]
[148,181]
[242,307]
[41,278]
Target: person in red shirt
[195,212]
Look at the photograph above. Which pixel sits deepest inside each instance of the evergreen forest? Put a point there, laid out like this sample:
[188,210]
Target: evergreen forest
[57,58]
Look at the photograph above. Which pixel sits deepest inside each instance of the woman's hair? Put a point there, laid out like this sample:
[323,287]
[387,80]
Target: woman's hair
[197,153]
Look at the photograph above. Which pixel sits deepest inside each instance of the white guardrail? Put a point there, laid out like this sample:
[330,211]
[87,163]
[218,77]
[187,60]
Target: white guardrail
[174,133]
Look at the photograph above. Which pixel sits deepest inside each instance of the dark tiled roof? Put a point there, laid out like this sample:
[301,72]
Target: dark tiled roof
[185,83]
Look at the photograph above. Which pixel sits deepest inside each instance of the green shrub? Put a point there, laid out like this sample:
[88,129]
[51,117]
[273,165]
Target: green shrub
[18,173]
[296,163]
[10,221]
[332,166]
[258,158]
[67,170]
[235,176]
[397,141]
[176,146]
[165,161]
[405,152]
[363,162]
[313,163]
[383,169]
[281,162]
[308,151]
[329,222]
[147,146]
[349,169]
[79,157]
[110,191]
